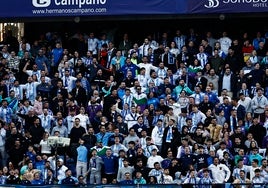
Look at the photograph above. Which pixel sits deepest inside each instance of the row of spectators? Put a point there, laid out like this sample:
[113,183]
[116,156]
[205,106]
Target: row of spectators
[185,109]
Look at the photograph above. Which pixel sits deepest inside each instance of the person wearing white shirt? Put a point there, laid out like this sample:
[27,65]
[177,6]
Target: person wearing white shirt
[175,106]
[192,179]
[61,169]
[245,101]
[133,90]
[157,172]
[46,120]
[254,58]
[143,49]
[258,104]
[185,148]
[156,80]
[173,49]
[17,88]
[202,56]
[23,42]
[240,166]
[225,42]
[70,120]
[30,89]
[197,116]
[161,71]
[142,77]
[182,117]
[117,146]
[224,93]
[143,139]
[258,179]
[131,118]
[84,119]
[103,40]
[252,168]
[148,67]
[93,44]
[179,40]
[220,172]
[149,147]
[154,158]
[157,134]
[34,71]
[221,150]
[2,144]
[127,98]
[167,179]
[263,168]
[45,148]
[68,81]
[242,179]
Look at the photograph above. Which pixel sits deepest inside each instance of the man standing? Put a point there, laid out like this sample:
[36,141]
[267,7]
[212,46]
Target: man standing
[82,154]
[220,172]
[258,104]
[171,138]
[110,165]
[215,130]
[79,94]
[228,81]
[6,112]
[95,165]
[257,130]
[125,169]
[93,44]
[36,132]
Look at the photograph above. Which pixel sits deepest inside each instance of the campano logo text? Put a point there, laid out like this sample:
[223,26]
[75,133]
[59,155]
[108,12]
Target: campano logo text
[79,3]
[41,3]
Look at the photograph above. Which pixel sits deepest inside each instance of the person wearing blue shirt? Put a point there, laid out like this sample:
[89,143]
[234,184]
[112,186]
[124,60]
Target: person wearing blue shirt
[127,180]
[121,90]
[40,60]
[212,96]
[69,179]
[255,156]
[85,83]
[103,136]
[31,154]
[152,99]
[110,165]
[226,107]
[57,55]
[37,180]
[139,126]
[129,66]
[6,112]
[118,61]
[257,40]
[82,153]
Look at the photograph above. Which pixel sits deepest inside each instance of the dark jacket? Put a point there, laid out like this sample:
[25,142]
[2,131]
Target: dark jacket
[233,83]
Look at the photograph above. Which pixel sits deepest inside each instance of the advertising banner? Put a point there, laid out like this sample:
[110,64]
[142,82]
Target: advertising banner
[226,6]
[41,8]
[56,8]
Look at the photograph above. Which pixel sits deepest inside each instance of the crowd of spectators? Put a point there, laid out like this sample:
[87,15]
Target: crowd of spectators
[183,109]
